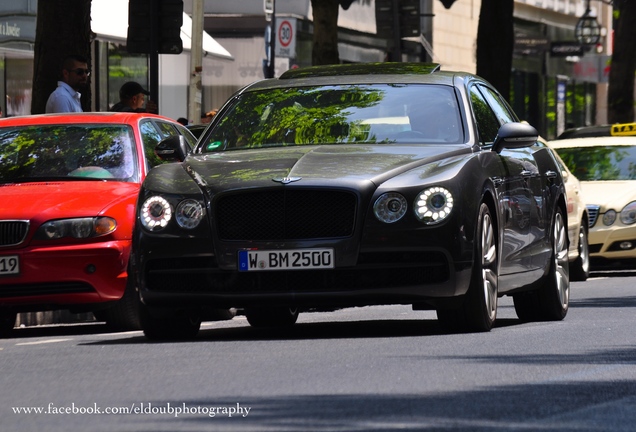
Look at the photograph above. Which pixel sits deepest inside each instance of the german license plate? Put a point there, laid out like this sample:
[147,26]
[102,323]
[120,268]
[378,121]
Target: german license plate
[9,265]
[290,259]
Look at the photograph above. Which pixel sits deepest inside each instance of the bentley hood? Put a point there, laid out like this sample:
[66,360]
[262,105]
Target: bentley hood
[316,164]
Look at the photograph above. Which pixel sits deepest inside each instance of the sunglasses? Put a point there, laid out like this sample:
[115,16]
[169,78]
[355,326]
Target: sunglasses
[80,71]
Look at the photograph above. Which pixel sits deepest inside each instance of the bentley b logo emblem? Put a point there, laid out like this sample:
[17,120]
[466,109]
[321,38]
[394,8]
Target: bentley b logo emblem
[286,180]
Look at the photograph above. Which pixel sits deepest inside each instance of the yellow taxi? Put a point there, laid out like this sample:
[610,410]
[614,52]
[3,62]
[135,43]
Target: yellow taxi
[606,169]
[578,222]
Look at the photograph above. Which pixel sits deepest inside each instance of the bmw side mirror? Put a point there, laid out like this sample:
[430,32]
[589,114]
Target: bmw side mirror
[515,135]
[172,149]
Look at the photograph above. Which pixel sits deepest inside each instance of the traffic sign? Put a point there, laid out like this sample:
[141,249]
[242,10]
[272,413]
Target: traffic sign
[286,37]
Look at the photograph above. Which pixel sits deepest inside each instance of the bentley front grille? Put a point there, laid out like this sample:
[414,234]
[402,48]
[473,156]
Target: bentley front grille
[296,214]
[13,232]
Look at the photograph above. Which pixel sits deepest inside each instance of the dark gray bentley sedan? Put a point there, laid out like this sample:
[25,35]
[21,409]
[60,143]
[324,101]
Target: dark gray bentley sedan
[354,185]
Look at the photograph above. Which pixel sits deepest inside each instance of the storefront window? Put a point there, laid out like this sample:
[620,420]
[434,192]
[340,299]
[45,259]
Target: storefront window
[581,104]
[551,108]
[3,94]
[123,67]
[19,82]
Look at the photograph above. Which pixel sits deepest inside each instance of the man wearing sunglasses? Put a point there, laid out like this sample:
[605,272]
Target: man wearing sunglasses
[66,97]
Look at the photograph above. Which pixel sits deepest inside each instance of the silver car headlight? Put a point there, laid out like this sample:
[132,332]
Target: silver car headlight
[433,205]
[609,217]
[156,212]
[79,228]
[628,214]
[189,213]
[390,207]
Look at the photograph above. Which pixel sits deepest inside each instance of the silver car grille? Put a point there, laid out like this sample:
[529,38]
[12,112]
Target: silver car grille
[592,211]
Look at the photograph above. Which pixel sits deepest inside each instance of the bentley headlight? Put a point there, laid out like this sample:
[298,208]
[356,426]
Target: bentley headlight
[79,228]
[609,217]
[189,213]
[390,207]
[156,212]
[433,205]
[628,214]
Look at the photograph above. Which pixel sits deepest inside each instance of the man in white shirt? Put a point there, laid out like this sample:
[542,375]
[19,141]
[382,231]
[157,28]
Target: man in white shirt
[66,97]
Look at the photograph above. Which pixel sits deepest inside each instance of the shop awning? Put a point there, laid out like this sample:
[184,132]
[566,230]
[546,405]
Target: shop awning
[109,21]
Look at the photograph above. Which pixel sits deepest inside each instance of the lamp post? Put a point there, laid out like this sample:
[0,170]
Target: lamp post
[587,30]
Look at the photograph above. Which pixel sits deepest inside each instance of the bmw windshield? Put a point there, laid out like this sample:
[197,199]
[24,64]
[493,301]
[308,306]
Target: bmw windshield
[67,152]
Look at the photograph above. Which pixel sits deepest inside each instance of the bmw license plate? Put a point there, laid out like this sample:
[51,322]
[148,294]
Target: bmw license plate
[9,265]
[290,259]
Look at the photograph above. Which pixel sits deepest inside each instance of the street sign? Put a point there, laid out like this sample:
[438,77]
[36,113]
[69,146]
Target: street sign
[286,37]
[566,49]
[268,7]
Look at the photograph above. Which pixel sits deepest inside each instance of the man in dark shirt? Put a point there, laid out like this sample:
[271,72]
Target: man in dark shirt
[132,97]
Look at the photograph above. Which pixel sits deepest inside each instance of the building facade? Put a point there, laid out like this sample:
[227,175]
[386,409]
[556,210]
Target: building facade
[551,89]
[112,65]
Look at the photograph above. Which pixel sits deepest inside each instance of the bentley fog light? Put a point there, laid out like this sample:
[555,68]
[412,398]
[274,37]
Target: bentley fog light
[390,207]
[609,217]
[155,213]
[433,205]
[628,214]
[189,213]
[79,228]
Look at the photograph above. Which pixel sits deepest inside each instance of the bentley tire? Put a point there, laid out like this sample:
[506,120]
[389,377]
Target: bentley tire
[168,324]
[271,317]
[479,309]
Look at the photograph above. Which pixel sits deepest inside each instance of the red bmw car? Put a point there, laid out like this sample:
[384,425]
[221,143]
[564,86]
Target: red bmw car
[68,190]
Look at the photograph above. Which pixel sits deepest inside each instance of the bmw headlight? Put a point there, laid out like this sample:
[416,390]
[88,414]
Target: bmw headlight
[156,212]
[189,213]
[79,228]
[628,214]
[433,205]
[390,207]
[609,217]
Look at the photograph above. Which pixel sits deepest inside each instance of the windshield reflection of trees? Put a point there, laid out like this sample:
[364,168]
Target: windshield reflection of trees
[353,114]
[63,150]
[601,162]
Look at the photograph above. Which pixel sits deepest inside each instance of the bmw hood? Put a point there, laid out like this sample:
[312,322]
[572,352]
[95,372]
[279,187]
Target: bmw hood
[61,199]
[324,164]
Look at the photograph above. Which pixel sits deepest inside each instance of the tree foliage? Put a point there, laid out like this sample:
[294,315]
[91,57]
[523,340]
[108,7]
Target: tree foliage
[620,96]
[63,28]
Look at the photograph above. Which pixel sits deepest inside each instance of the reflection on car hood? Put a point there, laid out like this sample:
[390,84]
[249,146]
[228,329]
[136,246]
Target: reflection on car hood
[59,199]
[609,194]
[342,163]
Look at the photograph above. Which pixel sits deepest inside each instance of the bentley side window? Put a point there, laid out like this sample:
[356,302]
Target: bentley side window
[487,123]
[499,106]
